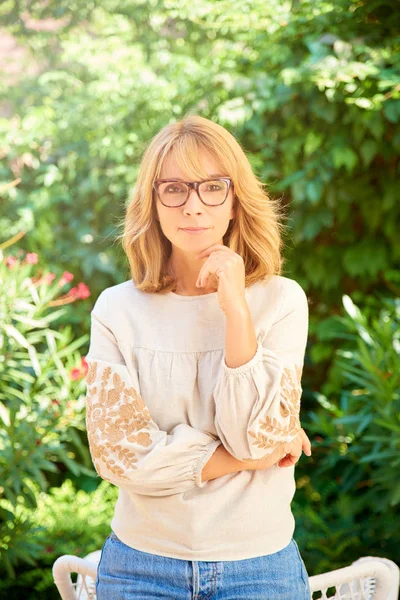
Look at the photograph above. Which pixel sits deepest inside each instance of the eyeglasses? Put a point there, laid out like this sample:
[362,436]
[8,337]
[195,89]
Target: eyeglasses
[174,193]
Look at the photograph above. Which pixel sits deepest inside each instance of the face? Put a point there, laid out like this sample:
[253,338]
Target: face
[194,213]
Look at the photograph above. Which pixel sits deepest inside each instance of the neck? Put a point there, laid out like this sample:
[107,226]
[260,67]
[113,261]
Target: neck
[186,282]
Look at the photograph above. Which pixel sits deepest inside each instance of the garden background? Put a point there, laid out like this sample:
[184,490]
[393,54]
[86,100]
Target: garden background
[311,89]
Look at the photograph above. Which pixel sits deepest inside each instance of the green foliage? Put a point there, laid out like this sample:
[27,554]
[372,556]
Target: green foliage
[350,500]
[66,521]
[42,424]
[310,89]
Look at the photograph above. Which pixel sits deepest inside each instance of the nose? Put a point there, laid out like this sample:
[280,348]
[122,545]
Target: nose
[196,202]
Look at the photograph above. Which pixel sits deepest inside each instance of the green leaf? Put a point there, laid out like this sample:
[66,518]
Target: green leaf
[314,190]
[379,456]
[368,150]
[344,157]
[352,310]
[391,110]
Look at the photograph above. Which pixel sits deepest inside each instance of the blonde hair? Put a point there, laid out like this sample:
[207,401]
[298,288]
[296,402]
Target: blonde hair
[255,233]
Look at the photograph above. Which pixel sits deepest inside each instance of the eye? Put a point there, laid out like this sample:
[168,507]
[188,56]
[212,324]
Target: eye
[214,187]
[173,189]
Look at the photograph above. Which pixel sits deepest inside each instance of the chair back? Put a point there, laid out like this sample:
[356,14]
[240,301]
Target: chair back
[368,578]
[85,586]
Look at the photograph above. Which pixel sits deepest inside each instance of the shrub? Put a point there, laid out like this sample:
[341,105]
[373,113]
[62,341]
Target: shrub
[42,398]
[349,504]
[66,521]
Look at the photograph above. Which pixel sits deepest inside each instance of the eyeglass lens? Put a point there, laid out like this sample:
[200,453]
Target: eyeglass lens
[174,193]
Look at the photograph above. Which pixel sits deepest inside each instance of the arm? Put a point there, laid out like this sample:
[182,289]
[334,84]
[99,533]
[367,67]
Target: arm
[127,447]
[258,402]
[222,463]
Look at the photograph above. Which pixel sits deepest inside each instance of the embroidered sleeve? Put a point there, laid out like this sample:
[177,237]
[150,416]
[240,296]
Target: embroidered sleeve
[258,403]
[127,447]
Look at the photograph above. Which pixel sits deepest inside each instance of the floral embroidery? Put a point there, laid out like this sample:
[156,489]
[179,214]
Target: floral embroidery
[280,428]
[115,414]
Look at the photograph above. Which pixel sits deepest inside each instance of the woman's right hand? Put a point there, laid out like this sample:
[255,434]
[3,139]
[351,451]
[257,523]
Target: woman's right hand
[286,455]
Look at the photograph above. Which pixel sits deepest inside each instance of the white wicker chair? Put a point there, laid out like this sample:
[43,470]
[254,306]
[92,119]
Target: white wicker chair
[368,578]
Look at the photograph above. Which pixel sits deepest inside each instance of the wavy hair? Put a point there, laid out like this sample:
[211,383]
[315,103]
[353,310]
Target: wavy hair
[255,233]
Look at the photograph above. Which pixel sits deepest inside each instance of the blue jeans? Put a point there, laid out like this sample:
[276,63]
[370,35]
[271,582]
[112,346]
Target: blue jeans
[128,574]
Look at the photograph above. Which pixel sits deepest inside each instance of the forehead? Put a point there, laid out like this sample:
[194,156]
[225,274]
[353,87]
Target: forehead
[188,167]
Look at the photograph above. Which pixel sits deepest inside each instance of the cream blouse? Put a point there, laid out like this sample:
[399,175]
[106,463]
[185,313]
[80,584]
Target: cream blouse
[161,399]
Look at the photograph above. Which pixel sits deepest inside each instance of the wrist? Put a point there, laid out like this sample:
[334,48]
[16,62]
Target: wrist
[221,463]
[237,310]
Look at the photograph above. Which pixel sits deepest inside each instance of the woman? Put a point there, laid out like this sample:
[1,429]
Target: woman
[194,383]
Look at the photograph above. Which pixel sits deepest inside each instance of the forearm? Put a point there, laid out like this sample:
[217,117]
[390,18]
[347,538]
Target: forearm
[240,337]
[221,463]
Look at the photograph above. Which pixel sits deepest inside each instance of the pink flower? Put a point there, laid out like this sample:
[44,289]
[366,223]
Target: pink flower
[75,374]
[84,365]
[31,258]
[65,278]
[79,373]
[48,278]
[81,291]
[11,261]
[72,292]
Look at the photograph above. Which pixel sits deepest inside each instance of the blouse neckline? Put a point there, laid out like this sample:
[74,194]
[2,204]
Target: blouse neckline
[202,296]
[197,297]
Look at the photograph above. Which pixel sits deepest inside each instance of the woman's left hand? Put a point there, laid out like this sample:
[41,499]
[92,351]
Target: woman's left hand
[297,446]
[228,267]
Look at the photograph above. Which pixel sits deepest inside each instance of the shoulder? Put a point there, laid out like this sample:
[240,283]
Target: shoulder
[120,291]
[114,297]
[284,286]
[287,293]
[291,288]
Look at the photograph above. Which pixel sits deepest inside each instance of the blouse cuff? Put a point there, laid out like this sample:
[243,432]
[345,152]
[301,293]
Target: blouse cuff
[247,366]
[205,456]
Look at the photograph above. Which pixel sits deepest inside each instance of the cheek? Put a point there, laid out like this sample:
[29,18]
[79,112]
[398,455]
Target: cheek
[169,226]
[222,220]
[166,219]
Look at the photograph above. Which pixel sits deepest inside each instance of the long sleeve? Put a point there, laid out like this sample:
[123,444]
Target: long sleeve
[258,403]
[127,447]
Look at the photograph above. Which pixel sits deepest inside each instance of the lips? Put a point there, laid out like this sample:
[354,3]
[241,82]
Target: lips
[194,228]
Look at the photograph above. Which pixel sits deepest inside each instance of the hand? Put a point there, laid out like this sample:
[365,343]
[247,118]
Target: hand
[228,267]
[286,454]
[294,449]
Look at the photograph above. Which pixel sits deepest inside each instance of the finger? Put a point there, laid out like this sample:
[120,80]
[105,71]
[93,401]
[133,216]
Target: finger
[288,461]
[287,450]
[204,279]
[284,463]
[306,446]
[295,450]
[204,274]
[199,281]
[296,446]
[213,248]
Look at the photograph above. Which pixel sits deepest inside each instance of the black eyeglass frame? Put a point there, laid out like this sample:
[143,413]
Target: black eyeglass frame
[193,185]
